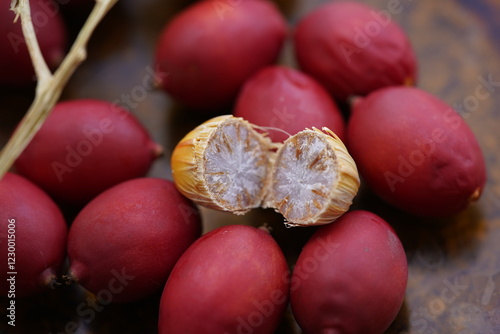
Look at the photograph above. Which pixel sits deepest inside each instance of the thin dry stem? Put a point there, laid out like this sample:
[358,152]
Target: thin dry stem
[49,86]
[22,9]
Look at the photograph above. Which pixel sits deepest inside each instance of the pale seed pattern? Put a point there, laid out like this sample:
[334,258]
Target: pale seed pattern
[226,164]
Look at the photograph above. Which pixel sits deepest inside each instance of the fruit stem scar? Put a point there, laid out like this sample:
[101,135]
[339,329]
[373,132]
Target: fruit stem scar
[475,195]
[69,279]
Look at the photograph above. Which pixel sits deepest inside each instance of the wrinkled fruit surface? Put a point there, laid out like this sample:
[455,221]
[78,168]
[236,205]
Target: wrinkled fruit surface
[416,152]
[124,243]
[233,279]
[85,147]
[350,277]
[34,230]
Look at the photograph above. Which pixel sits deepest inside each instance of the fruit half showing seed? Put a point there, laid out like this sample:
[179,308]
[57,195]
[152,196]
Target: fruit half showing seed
[314,178]
[226,164]
[223,164]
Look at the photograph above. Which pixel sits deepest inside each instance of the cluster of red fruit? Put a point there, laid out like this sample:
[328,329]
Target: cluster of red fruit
[411,148]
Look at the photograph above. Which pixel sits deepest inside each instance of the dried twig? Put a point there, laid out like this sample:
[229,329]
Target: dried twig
[50,85]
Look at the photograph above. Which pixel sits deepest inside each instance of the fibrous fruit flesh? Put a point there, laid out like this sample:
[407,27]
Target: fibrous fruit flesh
[225,164]
[314,179]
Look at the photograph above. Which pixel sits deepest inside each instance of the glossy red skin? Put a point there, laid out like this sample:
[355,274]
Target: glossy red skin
[350,277]
[206,52]
[40,236]
[15,62]
[121,150]
[138,229]
[328,46]
[285,98]
[416,152]
[233,279]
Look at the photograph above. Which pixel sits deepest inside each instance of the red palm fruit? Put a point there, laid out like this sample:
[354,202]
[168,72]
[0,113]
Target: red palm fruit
[32,238]
[235,278]
[85,147]
[353,49]
[15,63]
[207,51]
[124,243]
[416,152]
[287,99]
[350,277]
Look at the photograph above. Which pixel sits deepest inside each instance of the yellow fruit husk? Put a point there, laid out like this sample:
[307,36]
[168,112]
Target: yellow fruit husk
[188,168]
[348,181]
[339,197]
[188,164]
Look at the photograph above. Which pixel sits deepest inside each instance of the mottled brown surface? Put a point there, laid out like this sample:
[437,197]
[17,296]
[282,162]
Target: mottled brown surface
[454,276]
